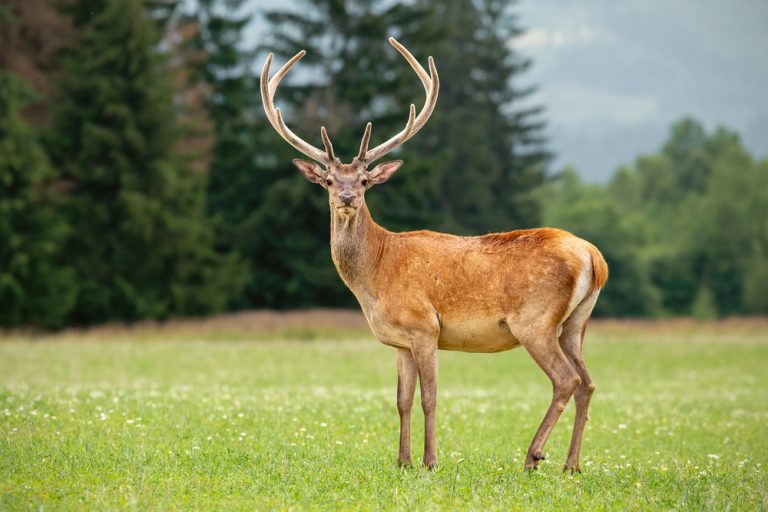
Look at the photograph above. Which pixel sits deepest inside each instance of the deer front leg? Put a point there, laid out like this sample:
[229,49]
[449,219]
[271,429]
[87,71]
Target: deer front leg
[406,386]
[425,357]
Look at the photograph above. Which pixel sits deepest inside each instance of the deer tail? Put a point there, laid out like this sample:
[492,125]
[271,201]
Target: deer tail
[599,268]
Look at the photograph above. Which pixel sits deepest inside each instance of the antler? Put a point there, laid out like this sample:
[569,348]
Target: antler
[268,88]
[431,85]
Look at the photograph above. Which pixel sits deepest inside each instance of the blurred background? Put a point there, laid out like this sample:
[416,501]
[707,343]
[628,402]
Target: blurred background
[140,180]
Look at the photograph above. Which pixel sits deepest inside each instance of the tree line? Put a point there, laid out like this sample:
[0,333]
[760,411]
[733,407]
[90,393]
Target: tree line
[139,178]
[684,230]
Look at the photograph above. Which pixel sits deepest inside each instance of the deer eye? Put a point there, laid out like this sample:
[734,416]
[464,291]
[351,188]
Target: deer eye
[364,182]
[329,182]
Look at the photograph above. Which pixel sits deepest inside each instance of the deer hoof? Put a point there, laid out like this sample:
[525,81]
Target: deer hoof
[571,469]
[430,465]
[532,460]
[404,463]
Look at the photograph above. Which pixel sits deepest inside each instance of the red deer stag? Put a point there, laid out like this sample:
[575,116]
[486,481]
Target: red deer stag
[423,291]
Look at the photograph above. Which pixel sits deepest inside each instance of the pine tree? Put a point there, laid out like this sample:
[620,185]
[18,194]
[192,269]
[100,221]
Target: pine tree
[489,149]
[242,165]
[141,244]
[36,287]
[238,176]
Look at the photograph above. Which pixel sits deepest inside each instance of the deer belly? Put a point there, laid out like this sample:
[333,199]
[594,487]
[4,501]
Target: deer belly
[475,335]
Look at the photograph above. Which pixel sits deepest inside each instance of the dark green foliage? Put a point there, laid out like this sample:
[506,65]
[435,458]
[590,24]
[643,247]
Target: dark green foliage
[729,224]
[160,175]
[35,285]
[250,172]
[141,244]
[591,213]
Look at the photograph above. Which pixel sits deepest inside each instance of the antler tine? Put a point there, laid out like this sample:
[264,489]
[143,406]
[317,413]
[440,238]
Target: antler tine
[425,79]
[364,142]
[410,123]
[268,88]
[292,139]
[431,83]
[327,144]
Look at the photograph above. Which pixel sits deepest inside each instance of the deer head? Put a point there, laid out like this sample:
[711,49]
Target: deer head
[347,183]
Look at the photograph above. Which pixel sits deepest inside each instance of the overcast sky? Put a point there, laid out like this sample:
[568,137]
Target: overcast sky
[613,75]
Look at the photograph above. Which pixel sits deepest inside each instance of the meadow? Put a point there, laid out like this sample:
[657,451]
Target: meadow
[210,419]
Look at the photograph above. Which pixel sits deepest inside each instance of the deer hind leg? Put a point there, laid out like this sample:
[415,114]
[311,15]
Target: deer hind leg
[406,386]
[546,351]
[571,341]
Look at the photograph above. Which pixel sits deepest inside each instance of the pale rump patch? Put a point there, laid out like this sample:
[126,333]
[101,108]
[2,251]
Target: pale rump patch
[583,285]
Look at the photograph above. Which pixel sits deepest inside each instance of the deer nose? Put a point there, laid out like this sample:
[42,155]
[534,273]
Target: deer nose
[347,199]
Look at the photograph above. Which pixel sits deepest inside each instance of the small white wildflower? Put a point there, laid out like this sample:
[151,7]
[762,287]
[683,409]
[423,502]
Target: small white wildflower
[713,456]
[323,424]
[622,426]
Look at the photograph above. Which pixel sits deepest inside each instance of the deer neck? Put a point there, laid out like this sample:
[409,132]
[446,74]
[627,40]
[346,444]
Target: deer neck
[357,243]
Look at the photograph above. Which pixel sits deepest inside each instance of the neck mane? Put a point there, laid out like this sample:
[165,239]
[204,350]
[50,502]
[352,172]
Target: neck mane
[357,244]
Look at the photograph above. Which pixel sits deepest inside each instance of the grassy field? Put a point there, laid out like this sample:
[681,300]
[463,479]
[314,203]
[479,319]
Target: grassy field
[227,421]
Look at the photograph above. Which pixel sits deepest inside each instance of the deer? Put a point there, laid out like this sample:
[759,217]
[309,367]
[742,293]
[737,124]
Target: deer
[425,291]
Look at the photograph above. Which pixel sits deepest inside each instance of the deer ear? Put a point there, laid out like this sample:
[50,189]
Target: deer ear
[383,172]
[310,170]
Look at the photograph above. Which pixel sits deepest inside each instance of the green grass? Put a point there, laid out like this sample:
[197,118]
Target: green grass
[679,421]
